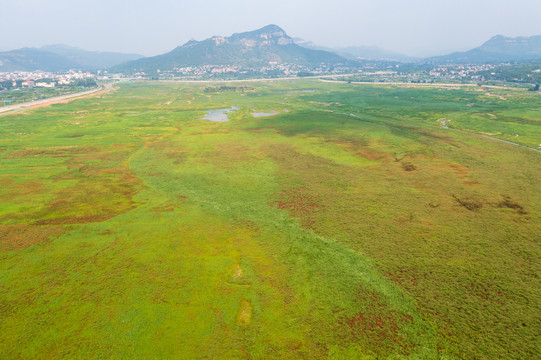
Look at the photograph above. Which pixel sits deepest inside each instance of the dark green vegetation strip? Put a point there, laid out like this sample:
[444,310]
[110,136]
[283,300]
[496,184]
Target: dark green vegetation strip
[130,228]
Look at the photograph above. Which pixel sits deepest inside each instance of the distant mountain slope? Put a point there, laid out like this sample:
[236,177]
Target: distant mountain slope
[31,59]
[58,58]
[497,49]
[250,49]
[357,52]
[311,45]
[90,60]
[372,53]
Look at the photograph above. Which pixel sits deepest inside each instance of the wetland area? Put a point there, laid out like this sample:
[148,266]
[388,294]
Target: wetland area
[130,228]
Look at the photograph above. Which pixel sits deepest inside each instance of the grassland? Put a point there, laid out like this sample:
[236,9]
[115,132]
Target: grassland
[350,225]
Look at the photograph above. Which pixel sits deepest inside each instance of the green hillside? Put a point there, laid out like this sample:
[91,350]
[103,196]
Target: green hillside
[31,59]
[251,49]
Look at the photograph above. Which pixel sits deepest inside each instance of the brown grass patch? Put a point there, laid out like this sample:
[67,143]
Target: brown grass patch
[297,202]
[371,154]
[507,202]
[407,166]
[164,208]
[469,203]
[76,219]
[53,151]
[460,170]
[403,277]
[13,237]
[377,327]
[93,199]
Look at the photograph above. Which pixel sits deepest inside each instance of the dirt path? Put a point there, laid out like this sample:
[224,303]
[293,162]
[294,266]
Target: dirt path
[318,77]
[397,83]
[420,85]
[6,110]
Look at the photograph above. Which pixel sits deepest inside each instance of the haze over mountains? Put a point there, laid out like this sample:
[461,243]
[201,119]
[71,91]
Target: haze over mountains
[498,49]
[358,52]
[31,59]
[57,58]
[90,60]
[268,45]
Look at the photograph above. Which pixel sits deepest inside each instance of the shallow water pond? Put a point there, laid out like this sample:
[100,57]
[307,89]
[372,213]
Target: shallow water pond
[219,115]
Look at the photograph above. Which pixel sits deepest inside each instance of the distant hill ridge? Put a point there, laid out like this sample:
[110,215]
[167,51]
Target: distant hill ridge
[90,60]
[358,52]
[258,48]
[497,49]
[270,44]
[31,59]
[58,58]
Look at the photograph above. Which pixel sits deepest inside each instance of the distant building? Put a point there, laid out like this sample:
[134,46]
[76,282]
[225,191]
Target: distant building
[46,85]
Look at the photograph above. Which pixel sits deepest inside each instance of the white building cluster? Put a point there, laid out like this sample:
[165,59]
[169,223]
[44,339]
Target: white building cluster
[42,78]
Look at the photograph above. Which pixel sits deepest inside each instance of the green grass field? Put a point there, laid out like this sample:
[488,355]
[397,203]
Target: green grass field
[350,225]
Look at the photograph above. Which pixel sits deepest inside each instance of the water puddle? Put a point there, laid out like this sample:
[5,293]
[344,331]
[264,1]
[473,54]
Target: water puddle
[262,114]
[219,115]
[443,123]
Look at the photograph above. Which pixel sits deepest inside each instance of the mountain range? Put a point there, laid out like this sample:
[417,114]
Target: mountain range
[58,58]
[31,59]
[257,48]
[358,52]
[91,60]
[498,49]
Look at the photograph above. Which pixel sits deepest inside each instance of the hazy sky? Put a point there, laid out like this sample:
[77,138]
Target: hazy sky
[151,27]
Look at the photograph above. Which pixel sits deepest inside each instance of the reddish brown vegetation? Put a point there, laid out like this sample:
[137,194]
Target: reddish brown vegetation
[403,278]
[76,219]
[56,151]
[407,166]
[373,154]
[299,204]
[460,170]
[378,326]
[164,208]
[14,237]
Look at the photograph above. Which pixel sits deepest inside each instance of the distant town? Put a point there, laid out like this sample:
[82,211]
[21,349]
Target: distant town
[22,86]
[380,71]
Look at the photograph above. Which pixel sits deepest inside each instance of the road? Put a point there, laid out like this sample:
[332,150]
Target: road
[54,100]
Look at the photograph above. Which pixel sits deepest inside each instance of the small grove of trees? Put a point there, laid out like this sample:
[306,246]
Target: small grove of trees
[527,73]
[224,88]
[85,83]
[8,84]
[534,88]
